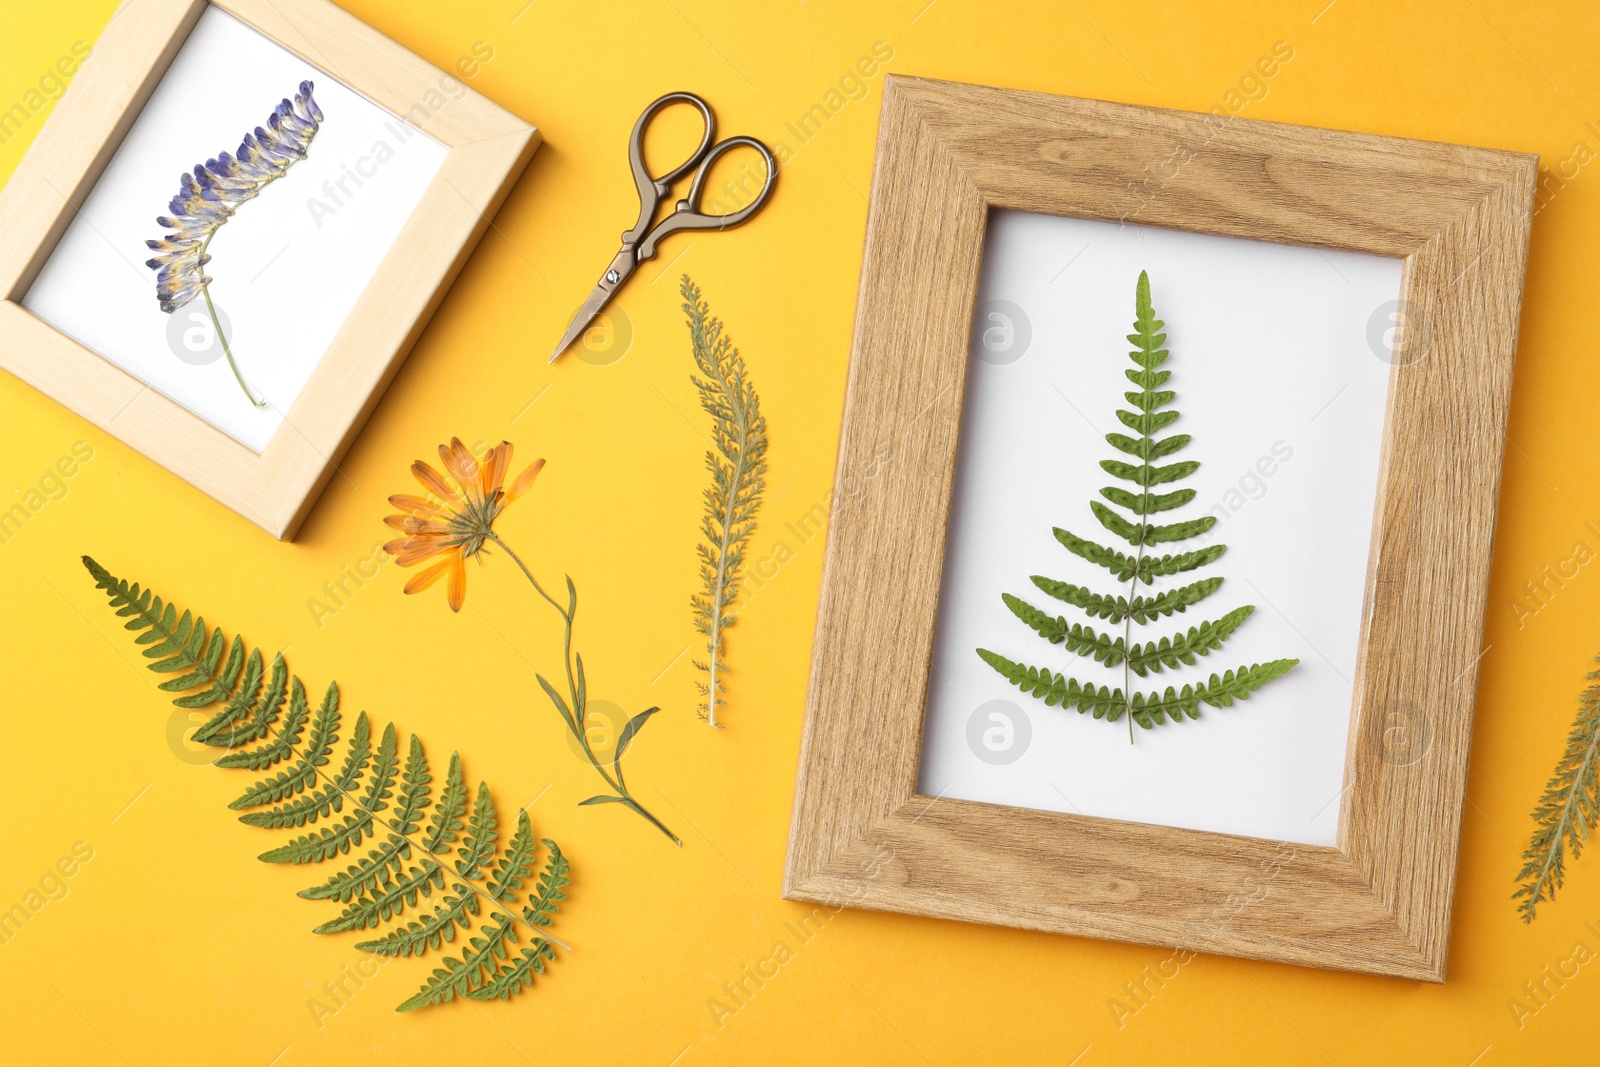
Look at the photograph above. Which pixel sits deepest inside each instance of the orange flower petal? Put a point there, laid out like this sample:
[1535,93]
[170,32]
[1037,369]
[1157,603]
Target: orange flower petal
[416,505]
[414,524]
[415,549]
[434,482]
[431,537]
[460,465]
[495,465]
[524,480]
[457,582]
[426,578]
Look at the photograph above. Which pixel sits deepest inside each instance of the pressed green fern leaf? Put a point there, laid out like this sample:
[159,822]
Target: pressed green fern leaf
[247,714]
[320,803]
[429,865]
[518,974]
[1147,709]
[738,468]
[1567,811]
[1149,498]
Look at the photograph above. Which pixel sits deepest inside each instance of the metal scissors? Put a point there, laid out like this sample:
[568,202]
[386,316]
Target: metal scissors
[639,243]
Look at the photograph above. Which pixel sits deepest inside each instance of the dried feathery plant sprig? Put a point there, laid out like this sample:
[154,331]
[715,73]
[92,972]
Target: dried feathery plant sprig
[738,469]
[208,198]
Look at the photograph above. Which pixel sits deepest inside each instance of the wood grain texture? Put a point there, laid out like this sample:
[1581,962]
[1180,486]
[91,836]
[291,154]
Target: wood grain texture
[488,150]
[1460,218]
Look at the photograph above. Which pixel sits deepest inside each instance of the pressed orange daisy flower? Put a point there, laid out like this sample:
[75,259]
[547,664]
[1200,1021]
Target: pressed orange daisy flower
[457,518]
[456,521]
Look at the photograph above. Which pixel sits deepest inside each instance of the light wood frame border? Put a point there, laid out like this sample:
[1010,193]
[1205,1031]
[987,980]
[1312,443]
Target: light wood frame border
[275,489]
[1459,217]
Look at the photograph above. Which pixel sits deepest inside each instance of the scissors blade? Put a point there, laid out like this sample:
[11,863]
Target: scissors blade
[580,322]
[621,267]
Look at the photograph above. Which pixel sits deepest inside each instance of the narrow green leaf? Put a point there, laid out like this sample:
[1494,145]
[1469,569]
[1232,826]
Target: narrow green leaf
[1167,446]
[482,836]
[1077,637]
[1181,531]
[1171,651]
[1148,608]
[514,864]
[580,706]
[1115,523]
[1120,564]
[1151,567]
[1146,422]
[1057,688]
[1114,608]
[561,705]
[633,726]
[449,816]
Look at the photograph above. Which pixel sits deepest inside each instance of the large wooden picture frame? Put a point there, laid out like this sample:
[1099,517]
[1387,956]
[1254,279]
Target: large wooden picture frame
[488,148]
[1459,218]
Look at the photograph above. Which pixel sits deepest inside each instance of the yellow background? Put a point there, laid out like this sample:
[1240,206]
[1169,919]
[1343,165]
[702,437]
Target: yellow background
[174,945]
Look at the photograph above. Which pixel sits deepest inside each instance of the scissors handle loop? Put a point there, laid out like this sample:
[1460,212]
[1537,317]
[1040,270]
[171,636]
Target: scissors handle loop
[688,215]
[651,188]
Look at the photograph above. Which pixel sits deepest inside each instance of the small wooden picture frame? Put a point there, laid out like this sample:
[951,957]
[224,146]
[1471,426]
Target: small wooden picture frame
[484,150]
[863,833]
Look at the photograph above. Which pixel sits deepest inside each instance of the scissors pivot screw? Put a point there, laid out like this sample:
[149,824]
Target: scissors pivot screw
[612,277]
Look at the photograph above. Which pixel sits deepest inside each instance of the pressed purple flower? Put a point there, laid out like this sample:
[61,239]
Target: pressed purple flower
[211,195]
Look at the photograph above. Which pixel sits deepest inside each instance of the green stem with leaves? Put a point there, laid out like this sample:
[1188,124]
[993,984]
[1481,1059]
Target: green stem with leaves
[574,714]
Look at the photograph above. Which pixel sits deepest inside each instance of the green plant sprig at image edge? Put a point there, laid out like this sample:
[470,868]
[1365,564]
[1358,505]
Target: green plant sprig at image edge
[1568,809]
[483,880]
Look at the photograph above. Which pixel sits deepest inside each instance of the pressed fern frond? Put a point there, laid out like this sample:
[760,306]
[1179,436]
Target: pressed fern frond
[1567,811]
[424,849]
[1149,415]
[738,468]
